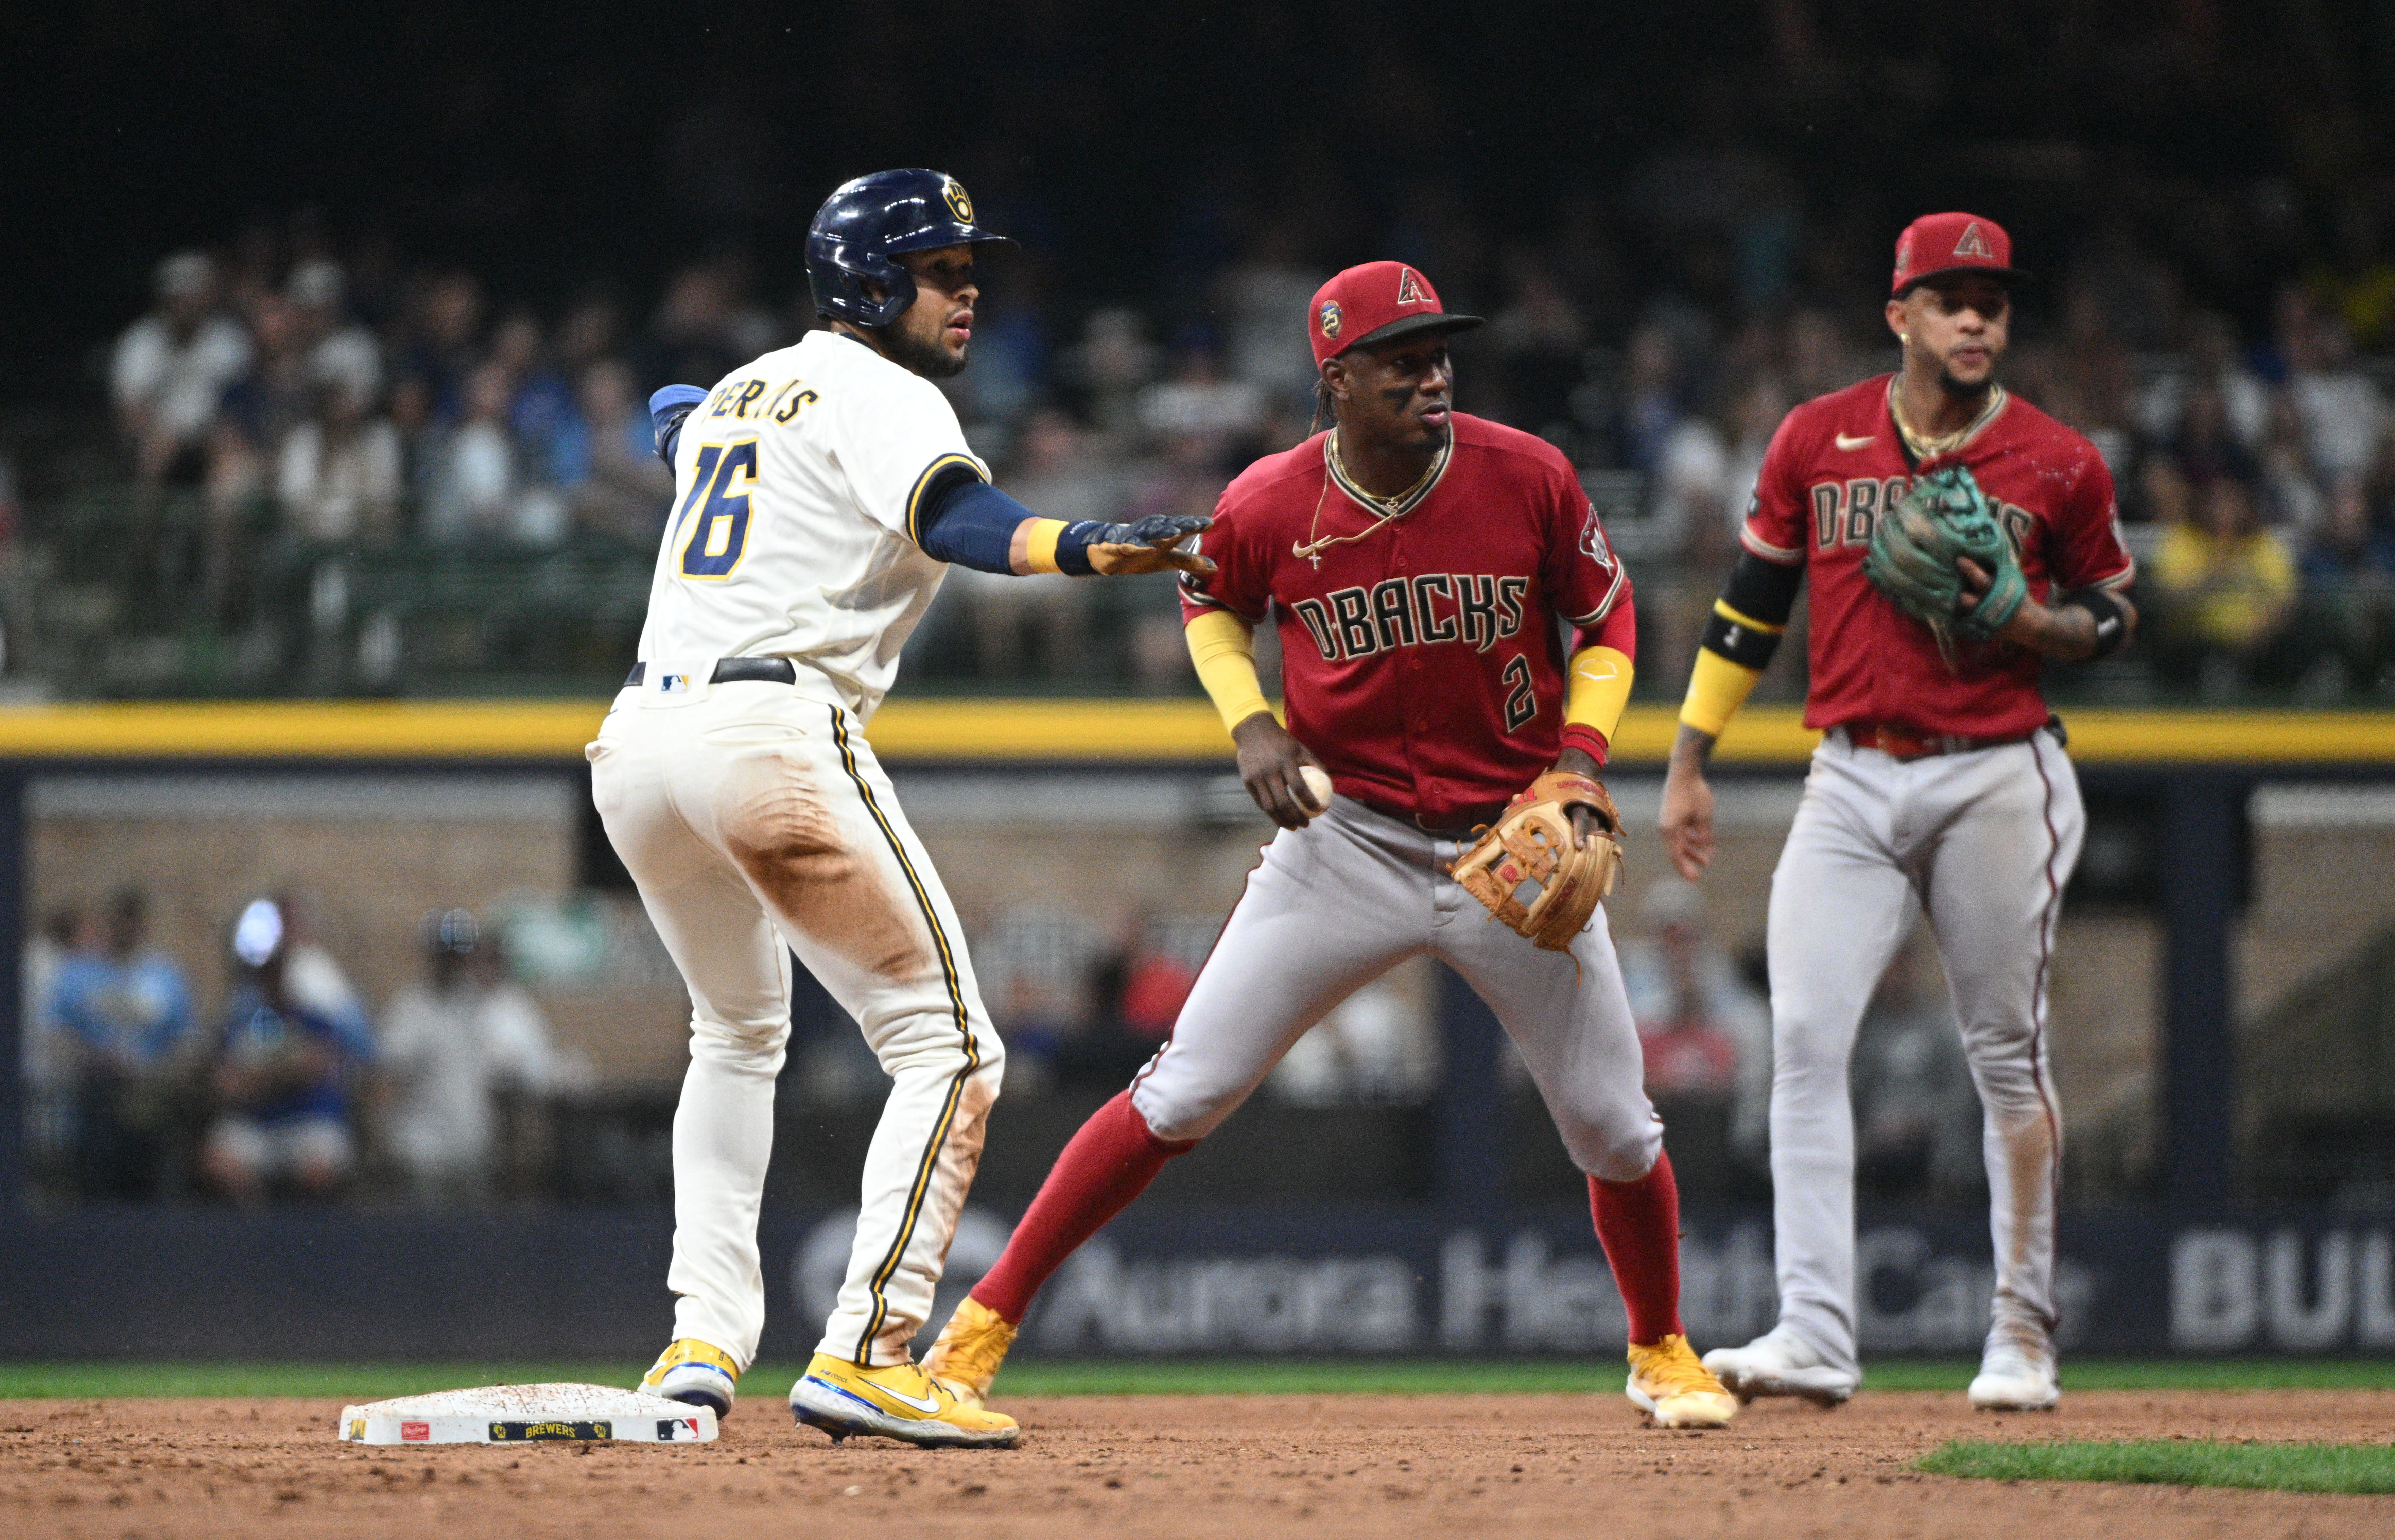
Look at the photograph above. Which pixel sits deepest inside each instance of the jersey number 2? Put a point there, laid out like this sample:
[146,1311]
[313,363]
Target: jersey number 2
[1521,701]
[719,535]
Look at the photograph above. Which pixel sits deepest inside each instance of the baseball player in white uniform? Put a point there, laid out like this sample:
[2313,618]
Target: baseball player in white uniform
[1940,780]
[819,492]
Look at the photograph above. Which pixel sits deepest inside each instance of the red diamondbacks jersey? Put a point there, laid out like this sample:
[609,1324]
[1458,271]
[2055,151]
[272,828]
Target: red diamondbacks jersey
[1836,462]
[1421,659]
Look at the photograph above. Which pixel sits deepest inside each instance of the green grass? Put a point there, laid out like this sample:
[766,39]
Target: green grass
[1147,1376]
[2153,1375]
[2195,1462]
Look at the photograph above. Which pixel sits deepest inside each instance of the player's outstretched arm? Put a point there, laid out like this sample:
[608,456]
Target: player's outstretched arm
[1739,638]
[968,521]
[1152,544]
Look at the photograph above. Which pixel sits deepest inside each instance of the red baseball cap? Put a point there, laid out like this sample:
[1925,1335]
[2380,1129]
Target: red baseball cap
[1377,303]
[1934,243]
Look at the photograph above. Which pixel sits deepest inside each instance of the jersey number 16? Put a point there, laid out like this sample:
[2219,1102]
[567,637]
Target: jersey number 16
[722,478]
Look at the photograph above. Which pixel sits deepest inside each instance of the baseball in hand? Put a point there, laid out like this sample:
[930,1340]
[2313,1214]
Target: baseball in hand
[1317,787]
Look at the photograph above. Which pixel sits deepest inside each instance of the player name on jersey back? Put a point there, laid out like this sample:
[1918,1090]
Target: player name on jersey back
[797,487]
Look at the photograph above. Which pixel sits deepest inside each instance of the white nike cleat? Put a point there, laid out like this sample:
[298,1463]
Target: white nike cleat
[692,1372]
[2018,1372]
[1778,1364]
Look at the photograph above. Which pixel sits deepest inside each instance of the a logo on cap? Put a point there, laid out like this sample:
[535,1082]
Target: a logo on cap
[1409,288]
[959,203]
[1975,243]
[1330,318]
[1904,252]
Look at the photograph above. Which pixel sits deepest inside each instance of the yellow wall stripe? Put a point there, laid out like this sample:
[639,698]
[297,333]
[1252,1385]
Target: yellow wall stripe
[1083,730]
[301,729]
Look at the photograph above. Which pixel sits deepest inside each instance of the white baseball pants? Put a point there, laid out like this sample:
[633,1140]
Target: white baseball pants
[1336,903]
[1985,841]
[754,817]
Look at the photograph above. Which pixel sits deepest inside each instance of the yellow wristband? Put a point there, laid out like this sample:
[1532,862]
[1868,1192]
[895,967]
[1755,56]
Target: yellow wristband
[1223,647]
[1717,687]
[1039,546]
[1599,688]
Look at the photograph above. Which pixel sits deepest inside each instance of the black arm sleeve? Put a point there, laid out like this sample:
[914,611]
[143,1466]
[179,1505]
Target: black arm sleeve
[2112,621]
[1760,597]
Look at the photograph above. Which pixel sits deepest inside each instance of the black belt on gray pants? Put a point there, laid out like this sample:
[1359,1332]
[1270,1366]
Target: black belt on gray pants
[733,671]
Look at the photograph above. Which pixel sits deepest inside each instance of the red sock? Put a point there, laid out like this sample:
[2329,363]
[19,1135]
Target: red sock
[1639,1224]
[1109,1163]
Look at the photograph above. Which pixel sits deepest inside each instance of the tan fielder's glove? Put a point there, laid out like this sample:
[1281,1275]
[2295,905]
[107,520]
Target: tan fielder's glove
[1152,544]
[1533,842]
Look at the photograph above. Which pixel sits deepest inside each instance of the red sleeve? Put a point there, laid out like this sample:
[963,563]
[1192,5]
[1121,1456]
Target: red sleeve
[1241,582]
[2087,550]
[1617,631]
[1586,578]
[1776,519]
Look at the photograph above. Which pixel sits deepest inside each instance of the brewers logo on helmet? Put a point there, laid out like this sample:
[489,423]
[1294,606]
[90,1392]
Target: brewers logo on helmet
[1330,318]
[861,228]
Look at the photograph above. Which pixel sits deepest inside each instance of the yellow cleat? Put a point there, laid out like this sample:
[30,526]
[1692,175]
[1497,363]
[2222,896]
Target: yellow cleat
[1668,1384]
[972,1347]
[690,1371]
[899,1401]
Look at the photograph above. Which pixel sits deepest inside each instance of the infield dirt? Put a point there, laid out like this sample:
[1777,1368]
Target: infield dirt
[1129,1468]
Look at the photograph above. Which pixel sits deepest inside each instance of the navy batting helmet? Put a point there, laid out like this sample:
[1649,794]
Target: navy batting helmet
[872,219]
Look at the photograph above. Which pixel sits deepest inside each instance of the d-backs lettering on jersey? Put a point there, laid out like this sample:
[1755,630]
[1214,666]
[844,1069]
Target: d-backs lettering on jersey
[1420,657]
[796,490]
[1835,463]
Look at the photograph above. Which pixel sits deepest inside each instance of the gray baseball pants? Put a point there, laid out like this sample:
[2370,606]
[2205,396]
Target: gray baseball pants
[1985,841]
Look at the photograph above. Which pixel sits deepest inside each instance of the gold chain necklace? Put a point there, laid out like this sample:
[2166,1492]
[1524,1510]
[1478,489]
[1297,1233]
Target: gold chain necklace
[1386,509]
[1347,477]
[1923,446]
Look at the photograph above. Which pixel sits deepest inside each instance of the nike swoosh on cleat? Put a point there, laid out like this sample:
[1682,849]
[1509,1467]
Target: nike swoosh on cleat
[927,1406]
[1853,444]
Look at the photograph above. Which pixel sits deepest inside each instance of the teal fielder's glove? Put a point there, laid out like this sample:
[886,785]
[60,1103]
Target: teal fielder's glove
[1916,543]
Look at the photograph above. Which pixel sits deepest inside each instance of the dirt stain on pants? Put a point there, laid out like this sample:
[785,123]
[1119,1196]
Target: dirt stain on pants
[791,847]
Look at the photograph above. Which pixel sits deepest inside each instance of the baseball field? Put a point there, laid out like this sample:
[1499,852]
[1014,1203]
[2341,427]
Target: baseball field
[2248,1448]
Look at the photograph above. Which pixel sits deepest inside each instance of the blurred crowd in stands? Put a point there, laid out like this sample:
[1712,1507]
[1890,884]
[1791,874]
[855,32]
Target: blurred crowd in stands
[2224,352]
[262,1074]
[362,412]
[291,1089]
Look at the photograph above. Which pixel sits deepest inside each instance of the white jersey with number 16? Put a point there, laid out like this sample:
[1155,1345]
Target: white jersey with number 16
[797,485]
